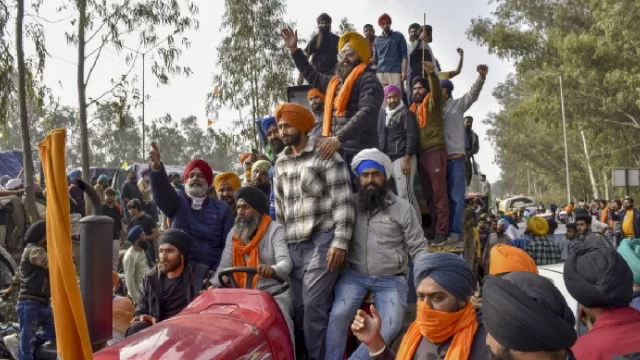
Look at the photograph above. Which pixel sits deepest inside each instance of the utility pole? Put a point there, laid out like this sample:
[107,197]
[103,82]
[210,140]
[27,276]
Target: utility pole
[143,103]
[528,182]
[566,149]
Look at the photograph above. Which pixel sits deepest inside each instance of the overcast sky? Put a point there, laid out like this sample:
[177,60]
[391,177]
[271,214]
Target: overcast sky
[187,96]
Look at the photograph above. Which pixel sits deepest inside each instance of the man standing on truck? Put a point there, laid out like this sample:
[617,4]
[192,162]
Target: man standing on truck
[322,49]
[390,54]
[387,233]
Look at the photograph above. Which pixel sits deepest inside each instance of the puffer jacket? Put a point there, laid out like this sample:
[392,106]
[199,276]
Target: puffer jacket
[208,227]
[357,129]
[400,137]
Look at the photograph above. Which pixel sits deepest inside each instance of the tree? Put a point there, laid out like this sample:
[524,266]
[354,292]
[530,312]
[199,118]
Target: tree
[345,26]
[254,67]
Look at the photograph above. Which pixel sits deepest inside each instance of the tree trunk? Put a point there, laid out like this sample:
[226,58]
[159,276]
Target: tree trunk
[592,177]
[605,182]
[24,119]
[82,92]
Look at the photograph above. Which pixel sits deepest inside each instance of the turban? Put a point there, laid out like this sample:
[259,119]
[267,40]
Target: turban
[503,222]
[526,312]
[102,178]
[414,26]
[446,84]
[324,17]
[203,166]
[449,271]
[144,172]
[4,180]
[422,81]
[13,184]
[598,277]
[359,44]
[244,157]
[568,208]
[315,92]
[507,258]
[392,89]
[384,17]
[73,175]
[267,123]
[262,165]
[296,115]
[595,240]
[254,197]
[229,177]
[629,249]
[581,212]
[583,217]
[538,226]
[135,233]
[178,238]
[372,158]
[36,232]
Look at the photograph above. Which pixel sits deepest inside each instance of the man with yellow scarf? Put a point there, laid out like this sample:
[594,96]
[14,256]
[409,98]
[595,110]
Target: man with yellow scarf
[447,325]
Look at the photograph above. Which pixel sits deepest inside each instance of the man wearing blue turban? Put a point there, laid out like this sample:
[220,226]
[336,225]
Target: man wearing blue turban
[270,128]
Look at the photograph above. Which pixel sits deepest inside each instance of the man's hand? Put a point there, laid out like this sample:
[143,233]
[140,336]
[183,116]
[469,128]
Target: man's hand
[300,80]
[483,70]
[367,329]
[266,271]
[154,156]
[460,52]
[290,38]
[406,165]
[429,67]
[403,76]
[372,62]
[6,292]
[327,147]
[335,258]
[146,318]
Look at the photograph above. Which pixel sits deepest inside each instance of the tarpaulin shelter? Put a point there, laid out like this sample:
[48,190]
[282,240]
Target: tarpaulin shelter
[11,162]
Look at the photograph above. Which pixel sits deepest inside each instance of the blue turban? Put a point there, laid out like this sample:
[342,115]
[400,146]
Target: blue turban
[449,271]
[267,123]
[446,84]
[73,175]
[370,164]
[135,233]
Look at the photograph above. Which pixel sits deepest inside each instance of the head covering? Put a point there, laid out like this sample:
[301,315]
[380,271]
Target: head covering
[448,270]
[619,203]
[581,212]
[503,222]
[384,17]
[422,81]
[324,17]
[4,180]
[629,249]
[526,312]
[446,84]
[414,26]
[135,233]
[296,115]
[73,175]
[244,157]
[102,178]
[598,277]
[568,208]
[359,44]
[178,238]
[261,164]
[13,184]
[369,156]
[232,178]
[595,240]
[583,217]
[507,258]
[203,166]
[144,172]
[392,89]
[254,197]
[315,92]
[538,226]
[268,122]
[36,232]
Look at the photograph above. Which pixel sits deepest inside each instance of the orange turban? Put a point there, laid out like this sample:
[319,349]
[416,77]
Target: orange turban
[506,258]
[296,115]
[244,157]
[229,177]
[359,44]
[315,92]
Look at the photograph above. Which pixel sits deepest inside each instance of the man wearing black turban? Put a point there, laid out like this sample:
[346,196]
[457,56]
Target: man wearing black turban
[322,48]
[602,283]
[526,317]
[172,285]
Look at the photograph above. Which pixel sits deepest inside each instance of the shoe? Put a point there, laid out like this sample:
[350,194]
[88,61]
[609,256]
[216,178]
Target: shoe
[450,241]
[439,240]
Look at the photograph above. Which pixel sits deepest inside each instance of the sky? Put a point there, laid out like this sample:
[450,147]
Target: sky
[187,96]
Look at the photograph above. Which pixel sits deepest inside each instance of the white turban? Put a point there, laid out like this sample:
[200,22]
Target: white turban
[13,184]
[374,155]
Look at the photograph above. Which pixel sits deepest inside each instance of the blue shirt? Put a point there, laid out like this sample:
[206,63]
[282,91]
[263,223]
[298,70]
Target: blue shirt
[389,51]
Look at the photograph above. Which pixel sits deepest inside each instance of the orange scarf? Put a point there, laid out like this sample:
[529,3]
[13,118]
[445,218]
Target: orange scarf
[439,327]
[251,249]
[421,112]
[342,99]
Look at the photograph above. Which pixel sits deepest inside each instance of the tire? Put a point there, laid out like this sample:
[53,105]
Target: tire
[8,267]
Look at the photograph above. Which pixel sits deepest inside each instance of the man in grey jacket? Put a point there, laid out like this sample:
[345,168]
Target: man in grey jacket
[387,232]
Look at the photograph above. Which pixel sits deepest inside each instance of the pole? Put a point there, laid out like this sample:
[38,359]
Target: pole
[528,182]
[143,103]
[424,28]
[566,148]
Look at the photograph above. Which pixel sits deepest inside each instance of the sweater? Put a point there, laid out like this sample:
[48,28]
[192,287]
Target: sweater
[454,110]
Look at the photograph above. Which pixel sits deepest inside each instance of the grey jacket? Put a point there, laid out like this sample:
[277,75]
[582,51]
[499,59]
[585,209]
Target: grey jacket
[454,110]
[273,251]
[317,127]
[382,241]
[357,129]
[400,137]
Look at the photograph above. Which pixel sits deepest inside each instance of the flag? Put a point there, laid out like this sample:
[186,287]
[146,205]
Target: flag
[209,122]
[125,165]
[72,334]
[217,91]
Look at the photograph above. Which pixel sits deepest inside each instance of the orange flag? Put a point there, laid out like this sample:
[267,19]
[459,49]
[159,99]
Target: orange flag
[209,122]
[72,334]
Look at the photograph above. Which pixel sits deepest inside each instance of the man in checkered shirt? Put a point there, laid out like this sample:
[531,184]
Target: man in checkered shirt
[314,201]
[540,247]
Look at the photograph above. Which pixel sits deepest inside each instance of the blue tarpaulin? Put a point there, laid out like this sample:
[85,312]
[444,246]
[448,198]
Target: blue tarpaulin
[11,163]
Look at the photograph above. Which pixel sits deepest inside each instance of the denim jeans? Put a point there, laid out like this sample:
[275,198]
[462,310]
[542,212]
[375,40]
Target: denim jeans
[390,296]
[32,315]
[456,188]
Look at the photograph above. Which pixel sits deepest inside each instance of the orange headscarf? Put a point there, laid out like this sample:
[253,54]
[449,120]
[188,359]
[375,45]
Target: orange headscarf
[439,327]
[421,111]
[244,157]
[228,177]
[342,99]
[506,258]
[251,249]
[315,92]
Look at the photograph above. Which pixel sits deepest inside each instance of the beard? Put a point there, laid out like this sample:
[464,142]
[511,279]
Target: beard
[293,140]
[167,266]
[413,37]
[196,190]
[343,69]
[370,199]
[418,98]
[109,201]
[246,226]
[229,200]
[317,107]
[277,146]
[502,354]
[264,187]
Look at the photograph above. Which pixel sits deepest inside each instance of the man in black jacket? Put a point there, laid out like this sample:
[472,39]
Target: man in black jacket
[171,286]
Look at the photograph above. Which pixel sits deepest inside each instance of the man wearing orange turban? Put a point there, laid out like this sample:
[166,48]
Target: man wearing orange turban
[247,160]
[507,258]
[316,102]
[353,97]
[226,185]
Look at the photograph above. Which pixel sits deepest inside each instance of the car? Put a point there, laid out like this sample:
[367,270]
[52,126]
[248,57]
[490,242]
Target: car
[555,273]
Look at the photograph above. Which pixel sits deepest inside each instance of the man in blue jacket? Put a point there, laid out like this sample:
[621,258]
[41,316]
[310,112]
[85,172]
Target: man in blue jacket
[206,220]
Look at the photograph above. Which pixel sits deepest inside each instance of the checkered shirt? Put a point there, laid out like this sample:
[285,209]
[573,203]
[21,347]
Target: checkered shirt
[543,251]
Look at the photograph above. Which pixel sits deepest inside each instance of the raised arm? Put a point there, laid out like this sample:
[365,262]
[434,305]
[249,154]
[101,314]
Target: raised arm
[471,97]
[434,85]
[458,70]
[314,78]
[163,193]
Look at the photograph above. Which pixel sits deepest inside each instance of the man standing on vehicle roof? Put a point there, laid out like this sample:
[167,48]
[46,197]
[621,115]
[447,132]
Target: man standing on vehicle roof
[387,232]
[390,54]
[314,201]
[322,49]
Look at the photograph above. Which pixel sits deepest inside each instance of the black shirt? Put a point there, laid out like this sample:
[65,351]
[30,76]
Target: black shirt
[114,213]
[174,296]
[325,57]
[130,191]
[146,223]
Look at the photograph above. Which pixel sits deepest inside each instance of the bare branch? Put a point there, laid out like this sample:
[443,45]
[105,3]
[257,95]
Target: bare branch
[635,125]
[122,79]
[95,61]
[47,20]
[631,117]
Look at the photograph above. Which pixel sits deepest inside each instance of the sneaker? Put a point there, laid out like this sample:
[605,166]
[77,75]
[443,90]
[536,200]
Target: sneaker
[439,240]
[13,345]
[450,241]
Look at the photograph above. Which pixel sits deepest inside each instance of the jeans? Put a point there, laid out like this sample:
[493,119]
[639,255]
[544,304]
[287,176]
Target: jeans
[33,314]
[456,189]
[390,296]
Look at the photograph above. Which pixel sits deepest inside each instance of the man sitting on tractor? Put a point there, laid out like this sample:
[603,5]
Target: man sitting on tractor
[171,286]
